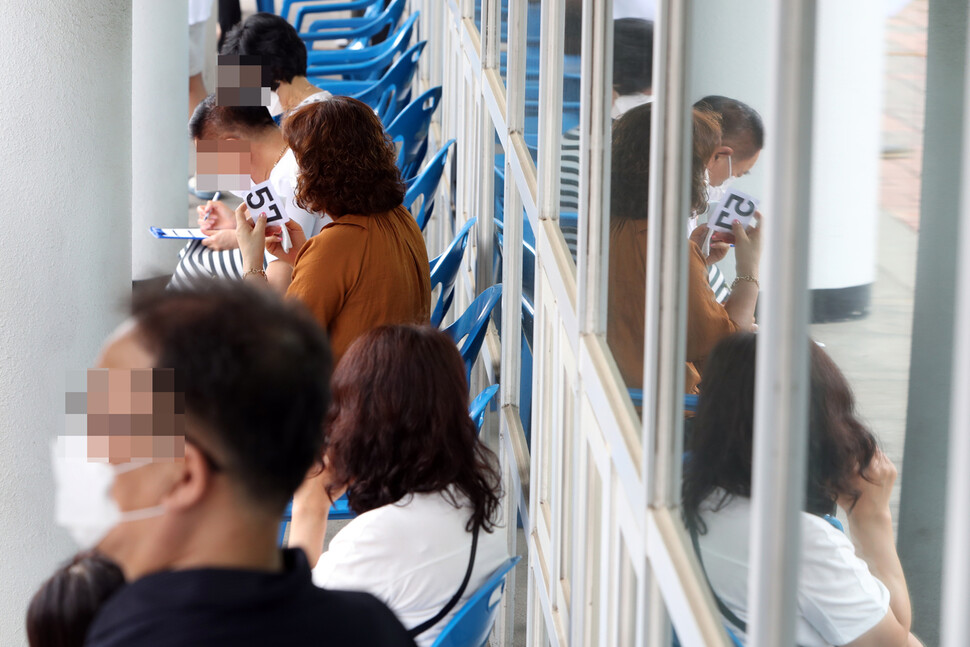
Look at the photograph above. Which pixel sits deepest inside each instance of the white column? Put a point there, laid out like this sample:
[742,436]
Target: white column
[729,50]
[65,256]
[159,104]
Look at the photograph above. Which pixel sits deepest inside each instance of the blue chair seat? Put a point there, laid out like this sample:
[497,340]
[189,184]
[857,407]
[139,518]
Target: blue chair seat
[367,63]
[472,624]
[468,331]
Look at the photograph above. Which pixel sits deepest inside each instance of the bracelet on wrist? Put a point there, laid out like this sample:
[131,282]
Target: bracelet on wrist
[745,277]
[260,272]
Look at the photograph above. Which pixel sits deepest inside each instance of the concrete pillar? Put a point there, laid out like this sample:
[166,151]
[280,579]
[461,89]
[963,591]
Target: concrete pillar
[159,99]
[65,260]
[922,497]
[729,44]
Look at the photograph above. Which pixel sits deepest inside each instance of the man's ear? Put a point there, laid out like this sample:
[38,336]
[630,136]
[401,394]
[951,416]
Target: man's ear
[193,481]
[723,151]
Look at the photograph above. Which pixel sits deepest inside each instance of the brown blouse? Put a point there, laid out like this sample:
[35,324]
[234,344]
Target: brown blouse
[361,272]
[707,321]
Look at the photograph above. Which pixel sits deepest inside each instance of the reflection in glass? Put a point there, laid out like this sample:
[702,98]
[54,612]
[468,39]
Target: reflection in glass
[707,320]
[847,589]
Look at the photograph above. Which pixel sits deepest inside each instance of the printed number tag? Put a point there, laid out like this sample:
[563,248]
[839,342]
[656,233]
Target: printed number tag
[736,205]
[261,200]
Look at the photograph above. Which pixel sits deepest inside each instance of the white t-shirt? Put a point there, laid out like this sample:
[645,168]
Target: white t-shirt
[413,556]
[838,598]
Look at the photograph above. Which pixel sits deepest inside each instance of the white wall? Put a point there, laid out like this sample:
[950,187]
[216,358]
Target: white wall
[159,114]
[65,253]
[729,46]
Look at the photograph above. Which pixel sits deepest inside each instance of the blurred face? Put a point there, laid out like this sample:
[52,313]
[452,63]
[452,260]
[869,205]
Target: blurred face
[138,426]
[726,164]
[223,164]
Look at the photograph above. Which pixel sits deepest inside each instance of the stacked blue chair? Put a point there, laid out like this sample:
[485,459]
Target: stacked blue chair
[469,329]
[425,185]
[397,79]
[359,31]
[472,624]
[366,63]
[478,406]
[444,271]
[409,131]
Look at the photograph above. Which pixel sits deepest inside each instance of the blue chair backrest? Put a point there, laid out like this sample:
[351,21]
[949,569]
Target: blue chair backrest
[472,624]
[425,185]
[397,77]
[444,270]
[372,8]
[409,131]
[469,330]
[358,30]
[374,63]
[478,406]
[268,6]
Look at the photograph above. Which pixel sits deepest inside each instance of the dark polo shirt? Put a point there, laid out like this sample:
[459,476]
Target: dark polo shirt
[212,607]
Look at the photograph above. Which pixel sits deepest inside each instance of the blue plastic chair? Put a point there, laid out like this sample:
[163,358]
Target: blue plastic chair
[472,624]
[374,60]
[478,406]
[425,186]
[468,331]
[371,8]
[339,510]
[409,131]
[397,78]
[358,31]
[444,271]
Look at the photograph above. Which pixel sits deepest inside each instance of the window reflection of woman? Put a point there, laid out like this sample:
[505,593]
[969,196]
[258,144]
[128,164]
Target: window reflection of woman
[707,321]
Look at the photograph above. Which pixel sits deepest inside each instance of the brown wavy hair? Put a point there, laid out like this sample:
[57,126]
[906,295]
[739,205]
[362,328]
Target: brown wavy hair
[721,443]
[399,425]
[706,139]
[348,164]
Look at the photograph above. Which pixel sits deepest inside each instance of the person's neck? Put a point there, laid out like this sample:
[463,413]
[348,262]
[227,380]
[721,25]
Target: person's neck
[266,150]
[293,93]
[230,540]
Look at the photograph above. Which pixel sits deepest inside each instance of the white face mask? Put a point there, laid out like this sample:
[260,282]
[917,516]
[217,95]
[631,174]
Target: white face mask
[82,503]
[275,107]
[716,193]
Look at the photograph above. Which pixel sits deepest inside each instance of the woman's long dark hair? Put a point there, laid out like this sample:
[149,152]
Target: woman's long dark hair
[62,610]
[399,424]
[721,441]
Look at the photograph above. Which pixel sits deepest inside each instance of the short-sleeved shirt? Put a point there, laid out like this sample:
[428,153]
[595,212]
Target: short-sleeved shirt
[210,606]
[838,598]
[362,272]
[417,577]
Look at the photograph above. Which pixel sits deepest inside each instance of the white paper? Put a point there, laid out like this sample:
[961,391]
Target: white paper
[736,205]
[261,200]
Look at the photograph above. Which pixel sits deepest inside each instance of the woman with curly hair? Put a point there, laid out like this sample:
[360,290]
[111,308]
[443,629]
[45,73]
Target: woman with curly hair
[850,591]
[425,487]
[707,321]
[367,268]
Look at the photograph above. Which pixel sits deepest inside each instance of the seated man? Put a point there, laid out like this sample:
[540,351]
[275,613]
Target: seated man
[217,255]
[742,138]
[241,380]
[283,55]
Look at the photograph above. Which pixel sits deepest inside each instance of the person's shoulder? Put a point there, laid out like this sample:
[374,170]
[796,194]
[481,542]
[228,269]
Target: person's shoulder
[361,616]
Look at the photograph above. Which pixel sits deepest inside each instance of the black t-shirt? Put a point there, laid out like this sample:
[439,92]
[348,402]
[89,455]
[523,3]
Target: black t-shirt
[214,607]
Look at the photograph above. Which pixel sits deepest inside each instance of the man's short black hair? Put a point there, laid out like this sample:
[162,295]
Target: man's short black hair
[211,121]
[632,55]
[275,41]
[741,125]
[255,372]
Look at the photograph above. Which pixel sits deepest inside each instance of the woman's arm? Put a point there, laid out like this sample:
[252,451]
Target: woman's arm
[744,294]
[311,507]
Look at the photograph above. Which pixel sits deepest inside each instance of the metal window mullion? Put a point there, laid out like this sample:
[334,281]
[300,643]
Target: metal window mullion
[551,35]
[594,164]
[955,624]
[781,383]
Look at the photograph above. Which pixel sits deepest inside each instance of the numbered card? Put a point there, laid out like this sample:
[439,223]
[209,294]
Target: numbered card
[736,205]
[261,200]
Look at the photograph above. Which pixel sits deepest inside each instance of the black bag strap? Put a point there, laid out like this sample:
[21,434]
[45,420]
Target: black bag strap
[727,613]
[427,624]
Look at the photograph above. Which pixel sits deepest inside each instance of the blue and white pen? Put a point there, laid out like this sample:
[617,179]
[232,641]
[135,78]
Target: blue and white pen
[208,209]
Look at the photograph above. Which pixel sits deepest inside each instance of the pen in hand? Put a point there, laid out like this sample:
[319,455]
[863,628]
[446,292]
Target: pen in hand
[208,210]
